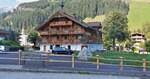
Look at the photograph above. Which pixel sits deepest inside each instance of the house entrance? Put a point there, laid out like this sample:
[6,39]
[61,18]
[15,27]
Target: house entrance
[44,47]
[57,46]
[69,47]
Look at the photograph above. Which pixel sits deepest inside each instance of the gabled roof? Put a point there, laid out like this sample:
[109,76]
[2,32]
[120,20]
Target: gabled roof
[61,12]
[3,31]
[137,34]
[94,24]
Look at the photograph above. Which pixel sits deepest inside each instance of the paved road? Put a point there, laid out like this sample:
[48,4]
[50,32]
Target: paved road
[28,75]
[91,67]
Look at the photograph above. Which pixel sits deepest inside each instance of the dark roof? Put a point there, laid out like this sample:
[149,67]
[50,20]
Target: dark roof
[140,34]
[94,24]
[82,24]
[3,31]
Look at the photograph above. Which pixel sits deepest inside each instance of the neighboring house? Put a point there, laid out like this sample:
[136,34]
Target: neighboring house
[96,26]
[4,34]
[7,34]
[138,37]
[64,30]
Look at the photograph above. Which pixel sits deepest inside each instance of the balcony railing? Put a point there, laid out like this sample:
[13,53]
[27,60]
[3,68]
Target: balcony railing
[61,32]
[61,23]
[53,32]
[61,41]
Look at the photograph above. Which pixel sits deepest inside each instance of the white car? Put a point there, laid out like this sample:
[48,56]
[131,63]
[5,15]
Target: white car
[2,48]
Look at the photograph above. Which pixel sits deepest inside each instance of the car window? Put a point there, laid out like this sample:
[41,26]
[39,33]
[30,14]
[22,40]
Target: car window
[64,48]
[59,48]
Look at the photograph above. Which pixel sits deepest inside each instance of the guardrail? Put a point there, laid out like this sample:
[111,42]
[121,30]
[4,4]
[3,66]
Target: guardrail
[97,60]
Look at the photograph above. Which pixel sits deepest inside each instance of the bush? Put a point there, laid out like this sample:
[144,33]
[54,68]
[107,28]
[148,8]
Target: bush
[15,48]
[11,45]
[147,46]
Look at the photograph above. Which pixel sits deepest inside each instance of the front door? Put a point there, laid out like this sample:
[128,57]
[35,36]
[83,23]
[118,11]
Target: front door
[57,46]
[44,47]
[69,47]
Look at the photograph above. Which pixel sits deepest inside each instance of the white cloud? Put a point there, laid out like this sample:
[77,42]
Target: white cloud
[22,1]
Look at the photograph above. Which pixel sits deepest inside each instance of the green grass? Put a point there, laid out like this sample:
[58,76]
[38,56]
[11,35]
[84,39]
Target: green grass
[139,14]
[110,57]
[126,55]
[113,57]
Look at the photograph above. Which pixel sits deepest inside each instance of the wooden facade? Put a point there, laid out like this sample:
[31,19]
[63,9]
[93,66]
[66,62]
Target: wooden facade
[62,28]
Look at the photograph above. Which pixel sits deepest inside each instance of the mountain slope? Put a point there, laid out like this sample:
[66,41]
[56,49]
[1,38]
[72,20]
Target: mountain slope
[139,14]
[30,15]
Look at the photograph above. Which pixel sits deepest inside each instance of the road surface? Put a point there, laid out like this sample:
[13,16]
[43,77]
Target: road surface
[28,75]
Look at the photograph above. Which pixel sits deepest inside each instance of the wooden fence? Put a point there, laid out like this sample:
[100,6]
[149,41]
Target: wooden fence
[44,57]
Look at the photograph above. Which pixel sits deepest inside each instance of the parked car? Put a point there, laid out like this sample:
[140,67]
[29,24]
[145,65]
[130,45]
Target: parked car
[62,50]
[2,49]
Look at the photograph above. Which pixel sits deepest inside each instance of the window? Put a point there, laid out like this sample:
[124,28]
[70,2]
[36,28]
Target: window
[65,37]
[79,37]
[51,46]
[69,47]
[57,37]
[57,28]
[76,37]
[66,21]
[57,46]
[47,29]
[44,47]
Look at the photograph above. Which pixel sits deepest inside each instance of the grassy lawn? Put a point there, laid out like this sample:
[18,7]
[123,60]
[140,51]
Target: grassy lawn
[139,14]
[111,57]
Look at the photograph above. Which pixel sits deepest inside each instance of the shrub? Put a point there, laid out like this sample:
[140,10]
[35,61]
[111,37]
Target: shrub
[147,46]
[11,45]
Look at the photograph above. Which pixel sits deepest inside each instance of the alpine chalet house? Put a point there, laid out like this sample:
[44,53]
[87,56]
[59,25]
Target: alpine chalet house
[64,30]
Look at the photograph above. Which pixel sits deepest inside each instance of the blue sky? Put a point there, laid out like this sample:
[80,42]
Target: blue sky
[12,3]
[7,3]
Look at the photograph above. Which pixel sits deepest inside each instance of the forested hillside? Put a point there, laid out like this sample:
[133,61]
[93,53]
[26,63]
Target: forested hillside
[33,14]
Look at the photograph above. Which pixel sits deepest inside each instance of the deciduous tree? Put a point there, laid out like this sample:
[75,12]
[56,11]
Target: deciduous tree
[33,37]
[115,28]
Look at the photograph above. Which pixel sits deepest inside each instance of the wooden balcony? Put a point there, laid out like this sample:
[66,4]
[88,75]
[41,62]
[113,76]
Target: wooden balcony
[61,23]
[62,32]
[65,32]
[61,41]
